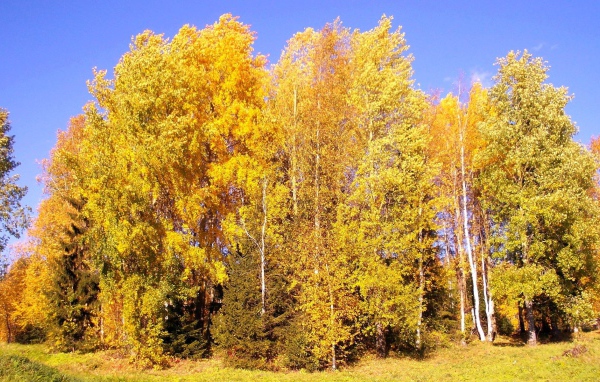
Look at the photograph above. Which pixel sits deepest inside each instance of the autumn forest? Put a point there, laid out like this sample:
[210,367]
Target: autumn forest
[303,214]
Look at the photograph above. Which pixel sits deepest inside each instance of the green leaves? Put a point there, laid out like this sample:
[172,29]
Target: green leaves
[524,283]
[536,182]
[308,205]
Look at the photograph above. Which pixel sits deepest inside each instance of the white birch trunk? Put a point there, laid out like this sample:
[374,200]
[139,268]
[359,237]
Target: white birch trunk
[470,256]
[262,248]
[461,253]
[489,302]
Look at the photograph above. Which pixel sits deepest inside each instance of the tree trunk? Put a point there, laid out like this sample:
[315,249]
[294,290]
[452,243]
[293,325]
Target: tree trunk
[380,341]
[102,325]
[462,285]
[262,248]
[447,262]
[531,335]
[492,327]
[472,264]
[462,307]
[419,342]
[8,328]
[333,360]
[555,329]
[489,302]
[332,318]
[521,319]
[462,124]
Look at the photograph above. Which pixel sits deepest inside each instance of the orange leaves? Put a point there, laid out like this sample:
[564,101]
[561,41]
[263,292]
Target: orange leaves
[62,179]
[161,149]
[455,125]
[444,130]
[595,146]
[332,169]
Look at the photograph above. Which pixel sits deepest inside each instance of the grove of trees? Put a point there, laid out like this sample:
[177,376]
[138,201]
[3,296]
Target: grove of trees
[302,215]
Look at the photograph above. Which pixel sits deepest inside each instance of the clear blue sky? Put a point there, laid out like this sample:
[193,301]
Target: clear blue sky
[48,49]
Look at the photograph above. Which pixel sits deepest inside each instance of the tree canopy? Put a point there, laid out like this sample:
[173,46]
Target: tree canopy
[303,215]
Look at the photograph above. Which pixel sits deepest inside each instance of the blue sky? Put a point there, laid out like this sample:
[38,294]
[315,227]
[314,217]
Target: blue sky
[48,49]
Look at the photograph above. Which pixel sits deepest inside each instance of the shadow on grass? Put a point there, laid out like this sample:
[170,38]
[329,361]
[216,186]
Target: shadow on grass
[17,368]
[545,338]
[520,340]
[514,344]
[516,340]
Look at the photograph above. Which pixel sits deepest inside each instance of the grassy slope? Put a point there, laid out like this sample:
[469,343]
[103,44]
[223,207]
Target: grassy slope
[504,361]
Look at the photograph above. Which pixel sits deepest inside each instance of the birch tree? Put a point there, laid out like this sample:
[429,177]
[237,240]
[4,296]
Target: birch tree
[310,93]
[385,223]
[457,141]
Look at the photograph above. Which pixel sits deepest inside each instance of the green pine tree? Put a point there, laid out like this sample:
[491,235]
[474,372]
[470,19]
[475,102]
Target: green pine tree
[249,338]
[74,293]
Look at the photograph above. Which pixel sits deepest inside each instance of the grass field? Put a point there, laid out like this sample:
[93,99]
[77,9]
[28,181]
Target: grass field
[576,360]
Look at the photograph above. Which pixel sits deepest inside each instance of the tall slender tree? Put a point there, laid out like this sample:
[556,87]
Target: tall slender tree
[386,222]
[535,181]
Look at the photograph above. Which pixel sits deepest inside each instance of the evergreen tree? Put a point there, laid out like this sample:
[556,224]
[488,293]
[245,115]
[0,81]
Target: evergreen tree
[13,216]
[186,335]
[240,329]
[74,293]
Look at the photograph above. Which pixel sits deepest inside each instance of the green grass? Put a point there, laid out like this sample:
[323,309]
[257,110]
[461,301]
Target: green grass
[503,361]
[17,368]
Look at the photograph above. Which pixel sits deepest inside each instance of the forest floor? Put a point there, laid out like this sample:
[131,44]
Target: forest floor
[506,360]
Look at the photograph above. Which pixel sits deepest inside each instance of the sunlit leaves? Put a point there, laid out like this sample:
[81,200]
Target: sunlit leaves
[317,196]
[536,179]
